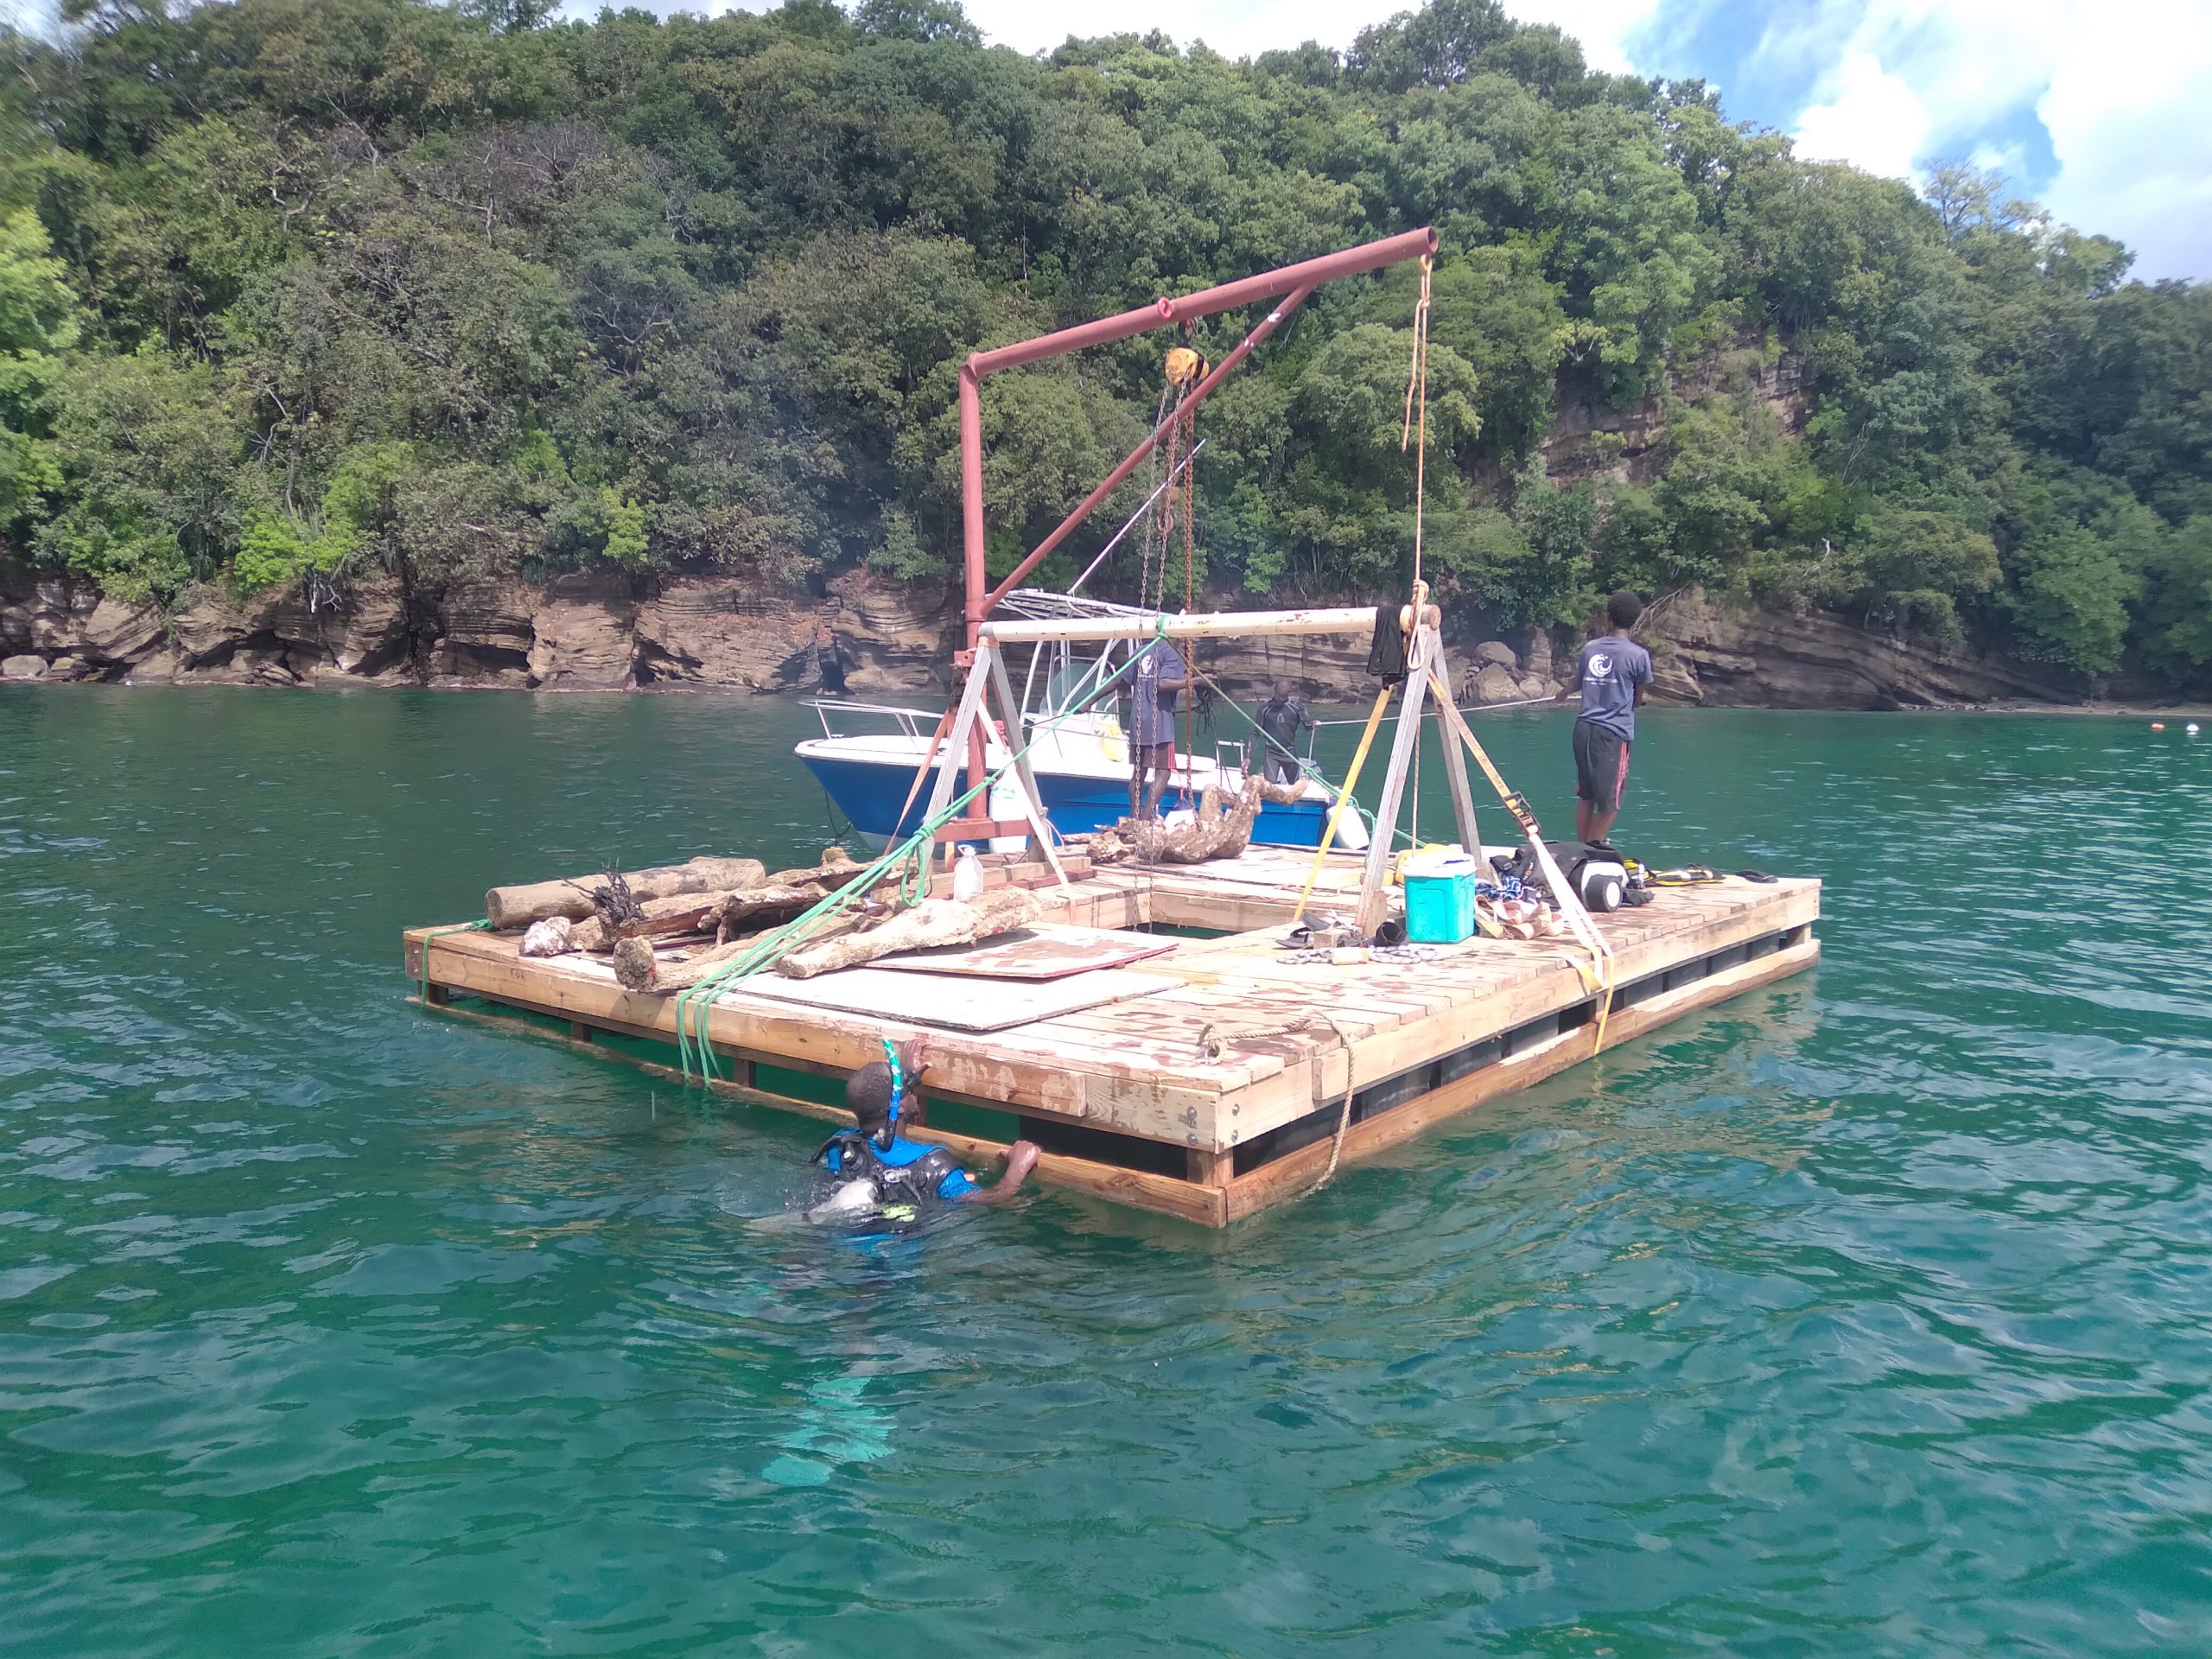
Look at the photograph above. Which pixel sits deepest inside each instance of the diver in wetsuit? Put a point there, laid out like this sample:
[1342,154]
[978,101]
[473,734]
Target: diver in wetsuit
[879,1172]
[1280,719]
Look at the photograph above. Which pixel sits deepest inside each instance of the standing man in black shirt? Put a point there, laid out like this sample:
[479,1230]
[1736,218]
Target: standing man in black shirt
[1280,719]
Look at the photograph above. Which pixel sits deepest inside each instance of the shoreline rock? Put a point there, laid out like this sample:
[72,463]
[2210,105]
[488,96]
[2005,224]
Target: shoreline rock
[612,631]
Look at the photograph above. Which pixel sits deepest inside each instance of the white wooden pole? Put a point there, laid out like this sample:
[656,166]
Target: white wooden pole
[1455,760]
[955,742]
[1202,624]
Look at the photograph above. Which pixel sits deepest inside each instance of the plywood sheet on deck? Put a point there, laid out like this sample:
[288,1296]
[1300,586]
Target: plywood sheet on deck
[956,1003]
[1042,952]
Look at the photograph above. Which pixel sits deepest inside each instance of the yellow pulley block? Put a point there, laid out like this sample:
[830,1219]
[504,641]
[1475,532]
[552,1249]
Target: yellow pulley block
[1185,366]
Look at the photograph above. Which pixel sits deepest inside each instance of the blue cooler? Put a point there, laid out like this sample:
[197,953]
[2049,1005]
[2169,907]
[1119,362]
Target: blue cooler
[1440,897]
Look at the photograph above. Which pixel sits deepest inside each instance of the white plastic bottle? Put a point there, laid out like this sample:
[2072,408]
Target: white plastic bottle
[967,876]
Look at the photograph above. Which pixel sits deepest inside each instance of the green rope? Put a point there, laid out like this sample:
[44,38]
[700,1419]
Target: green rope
[1308,766]
[695,1003]
[1397,832]
[439,933]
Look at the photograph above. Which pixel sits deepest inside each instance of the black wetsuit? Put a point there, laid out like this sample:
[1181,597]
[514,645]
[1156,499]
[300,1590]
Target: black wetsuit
[1282,719]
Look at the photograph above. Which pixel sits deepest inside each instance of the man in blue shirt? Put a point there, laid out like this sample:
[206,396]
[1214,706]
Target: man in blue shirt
[1610,676]
[1155,677]
[879,1172]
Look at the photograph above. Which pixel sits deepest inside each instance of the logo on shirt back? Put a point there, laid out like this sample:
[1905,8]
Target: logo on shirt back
[1599,667]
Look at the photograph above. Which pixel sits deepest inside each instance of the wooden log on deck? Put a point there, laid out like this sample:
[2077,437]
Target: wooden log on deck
[723,914]
[634,972]
[932,922]
[837,867]
[512,907]
[690,912]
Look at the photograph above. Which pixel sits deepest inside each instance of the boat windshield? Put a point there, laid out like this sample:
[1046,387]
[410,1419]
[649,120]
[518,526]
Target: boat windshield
[1071,681]
[1059,681]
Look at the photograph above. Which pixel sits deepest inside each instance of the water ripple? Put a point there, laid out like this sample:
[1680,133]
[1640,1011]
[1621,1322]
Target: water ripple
[1862,1315]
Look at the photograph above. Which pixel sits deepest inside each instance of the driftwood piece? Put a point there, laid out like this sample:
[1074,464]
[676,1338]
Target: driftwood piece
[786,894]
[837,867]
[698,964]
[633,963]
[1104,846]
[512,907]
[931,922]
[748,912]
[689,912]
[1216,830]
[618,909]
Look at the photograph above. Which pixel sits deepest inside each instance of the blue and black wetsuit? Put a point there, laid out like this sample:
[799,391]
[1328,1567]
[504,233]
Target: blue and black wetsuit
[905,1172]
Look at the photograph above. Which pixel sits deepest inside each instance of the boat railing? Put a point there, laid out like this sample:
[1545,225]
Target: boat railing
[917,723]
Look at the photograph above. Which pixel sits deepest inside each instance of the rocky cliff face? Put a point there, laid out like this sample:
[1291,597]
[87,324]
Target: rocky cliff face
[1779,659]
[584,632]
[598,633]
[603,631]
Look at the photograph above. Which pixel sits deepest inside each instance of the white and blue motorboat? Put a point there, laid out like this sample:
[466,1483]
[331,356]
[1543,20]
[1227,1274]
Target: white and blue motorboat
[869,754]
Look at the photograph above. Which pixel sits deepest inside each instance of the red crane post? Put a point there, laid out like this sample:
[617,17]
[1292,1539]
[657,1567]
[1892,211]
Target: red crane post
[1297,281]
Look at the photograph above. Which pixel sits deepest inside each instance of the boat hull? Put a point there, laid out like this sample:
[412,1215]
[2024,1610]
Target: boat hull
[871,789]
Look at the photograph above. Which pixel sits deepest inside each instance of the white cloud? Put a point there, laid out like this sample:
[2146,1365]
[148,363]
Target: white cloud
[1242,28]
[2126,109]
[1605,27]
[2121,87]
[1874,121]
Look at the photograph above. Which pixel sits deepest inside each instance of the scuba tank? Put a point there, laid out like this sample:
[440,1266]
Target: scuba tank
[899,1171]
[857,1161]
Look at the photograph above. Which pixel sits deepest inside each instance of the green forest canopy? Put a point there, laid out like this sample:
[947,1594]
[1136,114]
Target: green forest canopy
[313,285]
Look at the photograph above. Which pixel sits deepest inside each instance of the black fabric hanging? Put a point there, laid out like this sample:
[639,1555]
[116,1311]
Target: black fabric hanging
[1386,657]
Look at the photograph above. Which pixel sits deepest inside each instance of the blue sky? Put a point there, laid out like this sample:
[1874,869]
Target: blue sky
[2101,109]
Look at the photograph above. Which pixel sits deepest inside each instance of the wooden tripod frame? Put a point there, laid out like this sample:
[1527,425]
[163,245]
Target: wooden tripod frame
[1426,671]
[1425,667]
[987,678]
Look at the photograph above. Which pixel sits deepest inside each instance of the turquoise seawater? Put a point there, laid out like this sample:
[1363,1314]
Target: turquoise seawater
[1865,1314]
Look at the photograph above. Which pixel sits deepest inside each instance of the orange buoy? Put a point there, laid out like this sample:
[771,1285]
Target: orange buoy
[2158,725]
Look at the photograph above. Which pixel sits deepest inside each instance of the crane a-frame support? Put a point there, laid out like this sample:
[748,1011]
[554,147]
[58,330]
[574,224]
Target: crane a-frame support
[1295,281]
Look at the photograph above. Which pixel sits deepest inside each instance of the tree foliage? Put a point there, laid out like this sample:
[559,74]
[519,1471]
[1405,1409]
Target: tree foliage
[294,288]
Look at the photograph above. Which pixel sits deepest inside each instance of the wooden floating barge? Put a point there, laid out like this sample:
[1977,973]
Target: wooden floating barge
[1107,1068]
[1172,1056]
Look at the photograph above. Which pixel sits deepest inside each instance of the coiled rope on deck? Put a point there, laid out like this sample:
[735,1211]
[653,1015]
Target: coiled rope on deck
[1213,1043]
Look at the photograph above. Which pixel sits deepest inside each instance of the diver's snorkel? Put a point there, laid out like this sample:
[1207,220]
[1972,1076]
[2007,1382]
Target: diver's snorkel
[889,1132]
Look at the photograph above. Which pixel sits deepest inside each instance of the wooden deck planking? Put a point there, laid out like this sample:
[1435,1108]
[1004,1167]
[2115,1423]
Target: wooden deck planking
[1288,1177]
[1136,1068]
